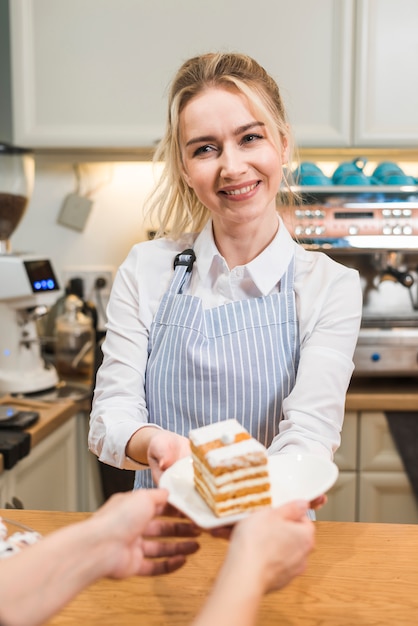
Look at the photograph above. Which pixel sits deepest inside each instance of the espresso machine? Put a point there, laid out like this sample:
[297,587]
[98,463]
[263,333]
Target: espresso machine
[28,285]
[373,229]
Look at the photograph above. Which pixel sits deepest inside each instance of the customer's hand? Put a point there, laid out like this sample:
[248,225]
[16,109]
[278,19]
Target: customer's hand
[270,547]
[127,526]
[165,448]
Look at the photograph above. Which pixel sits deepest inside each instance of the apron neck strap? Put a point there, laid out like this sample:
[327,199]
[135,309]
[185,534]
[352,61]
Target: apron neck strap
[183,265]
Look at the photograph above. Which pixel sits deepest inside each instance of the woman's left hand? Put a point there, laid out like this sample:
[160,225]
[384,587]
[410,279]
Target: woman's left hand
[165,448]
[318,502]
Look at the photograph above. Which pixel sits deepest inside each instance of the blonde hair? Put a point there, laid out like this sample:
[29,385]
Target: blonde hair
[173,204]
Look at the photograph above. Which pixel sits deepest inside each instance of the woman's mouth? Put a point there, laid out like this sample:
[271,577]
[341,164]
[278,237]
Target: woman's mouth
[241,190]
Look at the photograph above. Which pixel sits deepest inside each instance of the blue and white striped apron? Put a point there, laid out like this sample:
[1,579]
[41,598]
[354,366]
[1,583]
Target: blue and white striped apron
[237,360]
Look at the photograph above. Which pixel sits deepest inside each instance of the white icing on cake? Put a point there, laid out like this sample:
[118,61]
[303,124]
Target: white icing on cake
[200,436]
[224,456]
[227,438]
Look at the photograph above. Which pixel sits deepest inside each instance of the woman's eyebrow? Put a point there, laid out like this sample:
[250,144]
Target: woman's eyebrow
[200,139]
[245,127]
[237,131]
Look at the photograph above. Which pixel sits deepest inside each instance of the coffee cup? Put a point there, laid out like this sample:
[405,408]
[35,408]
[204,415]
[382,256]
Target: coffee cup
[351,173]
[353,178]
[397,179]
[310,174]
[387,168]
[389,173]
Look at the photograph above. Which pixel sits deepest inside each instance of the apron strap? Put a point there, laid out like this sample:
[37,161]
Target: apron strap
[183,265]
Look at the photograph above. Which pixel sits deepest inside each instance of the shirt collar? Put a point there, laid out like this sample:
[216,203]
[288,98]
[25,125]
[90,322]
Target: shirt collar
[265,270]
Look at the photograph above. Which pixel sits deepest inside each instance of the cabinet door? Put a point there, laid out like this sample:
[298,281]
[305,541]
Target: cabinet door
[90,493]
[95,74]
[341,505]
[3,493]
[377,449]
[387,497]
[386,89]
[346,455]
[47,478]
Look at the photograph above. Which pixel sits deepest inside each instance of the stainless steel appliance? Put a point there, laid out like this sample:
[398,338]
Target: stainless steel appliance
[375,230]
[27,284]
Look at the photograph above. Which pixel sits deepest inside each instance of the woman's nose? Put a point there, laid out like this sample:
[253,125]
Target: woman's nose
[232,163]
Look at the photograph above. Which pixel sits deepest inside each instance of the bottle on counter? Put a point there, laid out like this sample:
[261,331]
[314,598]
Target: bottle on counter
[75,343]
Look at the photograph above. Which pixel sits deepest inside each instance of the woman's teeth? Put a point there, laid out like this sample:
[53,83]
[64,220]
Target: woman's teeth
[237,192]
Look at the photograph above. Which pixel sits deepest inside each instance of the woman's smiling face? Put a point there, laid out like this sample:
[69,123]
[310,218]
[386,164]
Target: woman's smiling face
[229,157]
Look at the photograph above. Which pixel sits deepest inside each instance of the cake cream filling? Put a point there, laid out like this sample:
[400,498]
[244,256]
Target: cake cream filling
[231,481]
[239,503]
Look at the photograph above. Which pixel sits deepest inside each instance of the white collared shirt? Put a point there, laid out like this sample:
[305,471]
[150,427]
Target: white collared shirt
[328,302]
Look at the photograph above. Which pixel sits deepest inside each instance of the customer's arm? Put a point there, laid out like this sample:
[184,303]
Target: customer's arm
[267,550]
[115,542]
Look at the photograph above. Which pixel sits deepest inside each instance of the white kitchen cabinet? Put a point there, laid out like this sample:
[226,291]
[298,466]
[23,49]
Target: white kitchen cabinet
[3,495]
[386,73]
[377,451]
[372,485]
[341,505]
[94,74]
[385,493]
[47,478]
[90,492]
[387,497]
[59,474]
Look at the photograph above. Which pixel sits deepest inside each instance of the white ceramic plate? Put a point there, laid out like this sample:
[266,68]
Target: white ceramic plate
[293,476]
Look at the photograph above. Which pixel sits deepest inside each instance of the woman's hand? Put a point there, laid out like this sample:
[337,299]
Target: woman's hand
[319,502]
[164,449]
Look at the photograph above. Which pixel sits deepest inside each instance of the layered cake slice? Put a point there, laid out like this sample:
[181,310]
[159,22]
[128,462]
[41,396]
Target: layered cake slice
[230,468]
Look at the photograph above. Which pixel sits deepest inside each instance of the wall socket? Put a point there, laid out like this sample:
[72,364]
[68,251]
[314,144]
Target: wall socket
[89,275]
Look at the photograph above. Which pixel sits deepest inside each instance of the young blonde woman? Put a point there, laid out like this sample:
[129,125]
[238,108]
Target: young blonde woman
[226,316]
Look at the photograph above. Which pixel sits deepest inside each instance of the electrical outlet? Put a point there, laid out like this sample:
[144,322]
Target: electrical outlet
[89,275]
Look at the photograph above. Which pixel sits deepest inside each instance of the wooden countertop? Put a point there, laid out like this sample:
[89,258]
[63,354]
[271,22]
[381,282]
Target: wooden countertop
[359,574]
[51,416]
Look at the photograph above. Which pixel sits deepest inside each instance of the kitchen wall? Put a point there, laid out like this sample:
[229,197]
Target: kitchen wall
[116,220]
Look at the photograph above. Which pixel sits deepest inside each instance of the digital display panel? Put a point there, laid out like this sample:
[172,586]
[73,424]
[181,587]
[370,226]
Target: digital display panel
[353,215]
[41,276]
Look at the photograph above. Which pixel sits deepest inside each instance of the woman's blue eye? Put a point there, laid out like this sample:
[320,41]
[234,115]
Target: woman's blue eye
[251,137]
[203,150]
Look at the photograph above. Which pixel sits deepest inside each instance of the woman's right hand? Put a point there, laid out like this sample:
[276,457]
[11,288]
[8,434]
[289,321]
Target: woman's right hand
[164,449]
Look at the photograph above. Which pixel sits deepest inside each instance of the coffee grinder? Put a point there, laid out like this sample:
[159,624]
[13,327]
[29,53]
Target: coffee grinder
[28,285]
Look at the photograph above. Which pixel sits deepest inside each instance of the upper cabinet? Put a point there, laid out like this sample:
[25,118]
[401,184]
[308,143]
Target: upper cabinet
[95,74]
[386,73]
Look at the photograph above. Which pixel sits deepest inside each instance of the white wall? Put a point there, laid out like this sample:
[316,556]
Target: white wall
[115,223]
